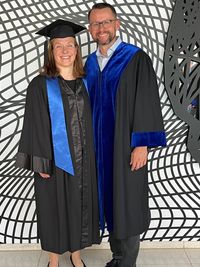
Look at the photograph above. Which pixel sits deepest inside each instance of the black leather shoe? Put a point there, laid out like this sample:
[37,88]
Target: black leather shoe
[113,263]
[73,263]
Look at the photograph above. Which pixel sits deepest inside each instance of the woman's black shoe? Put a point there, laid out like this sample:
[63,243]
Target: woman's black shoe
[49,263]
[73,263]
[83,263]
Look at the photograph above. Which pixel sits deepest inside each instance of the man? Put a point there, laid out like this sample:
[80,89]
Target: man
[126,120]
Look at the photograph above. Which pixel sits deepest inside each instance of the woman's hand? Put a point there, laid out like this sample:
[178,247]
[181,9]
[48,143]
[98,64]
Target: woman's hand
[138,157]
[44,175]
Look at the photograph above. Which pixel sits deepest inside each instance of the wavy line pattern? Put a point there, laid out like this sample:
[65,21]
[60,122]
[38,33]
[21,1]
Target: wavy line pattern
[182,68]
[173,174]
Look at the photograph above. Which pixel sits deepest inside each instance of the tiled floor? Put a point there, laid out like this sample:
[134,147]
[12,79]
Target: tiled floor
[98,257]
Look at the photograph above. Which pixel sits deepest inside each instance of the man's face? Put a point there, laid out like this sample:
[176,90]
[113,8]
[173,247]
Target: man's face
[103,26]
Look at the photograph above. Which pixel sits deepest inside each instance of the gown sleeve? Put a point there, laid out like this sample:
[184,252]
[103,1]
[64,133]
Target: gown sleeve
[35,147]
[148,127]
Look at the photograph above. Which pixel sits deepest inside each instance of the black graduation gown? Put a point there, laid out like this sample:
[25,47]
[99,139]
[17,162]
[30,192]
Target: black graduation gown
[137,110]
[66,205]
[124,111]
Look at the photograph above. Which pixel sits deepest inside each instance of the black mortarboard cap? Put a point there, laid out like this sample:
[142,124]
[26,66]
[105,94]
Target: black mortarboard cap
[61,29]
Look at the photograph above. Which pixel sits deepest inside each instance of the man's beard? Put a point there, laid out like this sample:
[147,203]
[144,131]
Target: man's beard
[108,41]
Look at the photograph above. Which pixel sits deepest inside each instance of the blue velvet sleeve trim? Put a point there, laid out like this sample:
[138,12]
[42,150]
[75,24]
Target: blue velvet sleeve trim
[150,139]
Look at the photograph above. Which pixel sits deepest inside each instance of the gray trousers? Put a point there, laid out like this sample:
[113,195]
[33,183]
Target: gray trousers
[125,249]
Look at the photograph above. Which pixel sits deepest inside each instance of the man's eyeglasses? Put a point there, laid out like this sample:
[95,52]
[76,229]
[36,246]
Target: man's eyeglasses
[105,23]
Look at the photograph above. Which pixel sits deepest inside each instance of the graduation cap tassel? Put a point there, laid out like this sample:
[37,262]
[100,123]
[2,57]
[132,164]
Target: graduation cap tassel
[46,43]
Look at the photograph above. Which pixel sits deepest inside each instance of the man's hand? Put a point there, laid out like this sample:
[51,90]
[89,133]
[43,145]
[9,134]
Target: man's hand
[44,175]
[138,157]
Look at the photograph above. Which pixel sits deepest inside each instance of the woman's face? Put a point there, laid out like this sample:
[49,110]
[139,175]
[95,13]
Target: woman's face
[64,52]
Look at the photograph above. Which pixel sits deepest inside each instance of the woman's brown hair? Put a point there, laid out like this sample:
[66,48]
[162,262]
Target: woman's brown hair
[51,70]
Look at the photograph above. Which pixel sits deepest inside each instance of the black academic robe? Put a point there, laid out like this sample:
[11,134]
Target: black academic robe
[66,205]
[126,114]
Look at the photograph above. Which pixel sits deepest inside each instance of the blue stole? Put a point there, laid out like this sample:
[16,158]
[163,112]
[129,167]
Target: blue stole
[62,155]
[102,88]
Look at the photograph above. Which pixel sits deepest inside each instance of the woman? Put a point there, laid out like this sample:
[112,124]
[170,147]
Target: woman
[56,143]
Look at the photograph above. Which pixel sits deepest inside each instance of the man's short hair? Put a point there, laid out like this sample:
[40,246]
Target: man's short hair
[101,6]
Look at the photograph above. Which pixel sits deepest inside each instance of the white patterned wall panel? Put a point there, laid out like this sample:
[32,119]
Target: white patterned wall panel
[173,174]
